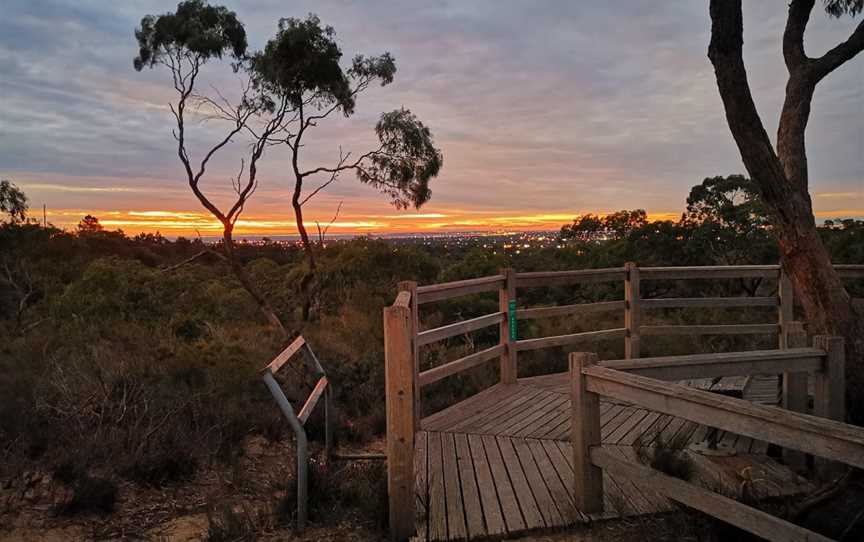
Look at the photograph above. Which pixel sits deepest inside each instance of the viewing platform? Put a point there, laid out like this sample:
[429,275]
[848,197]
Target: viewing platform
[501,462]
[569,448]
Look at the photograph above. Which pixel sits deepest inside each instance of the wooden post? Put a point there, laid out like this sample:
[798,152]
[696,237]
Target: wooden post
[585,433]
[632,311]
[506,295]
[785,313]
[829,392]
[399,395]
[792,335]
[411,287]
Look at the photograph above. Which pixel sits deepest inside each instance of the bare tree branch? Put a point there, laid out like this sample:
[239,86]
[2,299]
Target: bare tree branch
[840,54]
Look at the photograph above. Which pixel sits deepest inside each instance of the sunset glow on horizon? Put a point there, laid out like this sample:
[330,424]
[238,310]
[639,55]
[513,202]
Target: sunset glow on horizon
[186,223]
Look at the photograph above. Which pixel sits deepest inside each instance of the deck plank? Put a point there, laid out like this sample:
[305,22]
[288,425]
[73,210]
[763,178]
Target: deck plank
[496,413]
[537,405]
[622,430]
[467,407]
[437,499]
[562,498]
[501,464]
[421,459]
[530,506]
[556,454]
[470,494]
[537,485]
[488,493]
[456,529]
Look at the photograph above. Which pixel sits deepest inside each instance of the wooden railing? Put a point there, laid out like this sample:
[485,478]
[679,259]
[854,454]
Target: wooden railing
[507,282]
[403,339]
[639,383]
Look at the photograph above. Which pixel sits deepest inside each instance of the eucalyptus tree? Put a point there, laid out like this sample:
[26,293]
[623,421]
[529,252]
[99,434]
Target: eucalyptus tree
[13,202]
[184,42]
[301,66]
[782,173]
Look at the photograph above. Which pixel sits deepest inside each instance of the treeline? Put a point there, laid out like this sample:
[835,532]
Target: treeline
[138,356]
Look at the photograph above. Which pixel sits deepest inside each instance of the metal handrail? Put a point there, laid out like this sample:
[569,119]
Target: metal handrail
[298,422]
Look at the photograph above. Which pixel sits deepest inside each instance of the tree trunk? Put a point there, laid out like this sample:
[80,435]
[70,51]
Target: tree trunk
[248,285]
[308,248]
[782,178]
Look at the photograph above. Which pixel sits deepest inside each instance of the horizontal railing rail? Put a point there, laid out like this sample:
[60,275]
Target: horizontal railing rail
[850,271]
[713,329]
[633,306]
[572,338]
[707,302]
[710,272]
[640,383]
[803,432]
[693,366]
[459,328]
[447,290]
[561,278]
[457,366]
[570,310]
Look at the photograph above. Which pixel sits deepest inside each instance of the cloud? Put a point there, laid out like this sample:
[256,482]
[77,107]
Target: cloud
[547,108]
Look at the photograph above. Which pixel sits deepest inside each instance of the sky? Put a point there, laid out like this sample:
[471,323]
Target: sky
[544,110]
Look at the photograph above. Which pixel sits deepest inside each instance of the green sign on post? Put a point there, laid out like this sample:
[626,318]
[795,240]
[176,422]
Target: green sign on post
[511,319]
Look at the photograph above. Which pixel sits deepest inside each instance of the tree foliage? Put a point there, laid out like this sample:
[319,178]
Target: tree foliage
[89,225]
[13,201]
[838,8]
[196,29]
[617,225]
[406,161]
[302,63]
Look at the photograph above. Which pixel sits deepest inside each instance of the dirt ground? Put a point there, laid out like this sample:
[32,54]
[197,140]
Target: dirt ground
[253,487]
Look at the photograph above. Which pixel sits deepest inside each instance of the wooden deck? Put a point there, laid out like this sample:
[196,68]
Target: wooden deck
[500,462]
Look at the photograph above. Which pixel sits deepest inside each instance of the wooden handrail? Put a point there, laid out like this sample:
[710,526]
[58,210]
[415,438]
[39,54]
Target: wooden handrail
[285,355]
[558,278]
[724,364]
[569,310]
[850,271]
[447,290]
[572,338]
[459,328]
[810,434]
[825,438]
[729,510]
[708,302]
[709,272]
[715,329]
[457,366]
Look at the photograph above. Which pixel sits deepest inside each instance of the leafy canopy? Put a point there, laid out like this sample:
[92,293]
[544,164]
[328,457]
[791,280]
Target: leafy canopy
[406,162]
[731,201]
[196,29]
[838,8]
[617,225]
[302,63]
[303,58]
[13,201]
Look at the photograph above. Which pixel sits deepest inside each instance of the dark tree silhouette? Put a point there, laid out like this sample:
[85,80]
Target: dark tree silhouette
[301,65]
[184,42]
[13,202]
[726,218]
[781,174]
[89,225]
